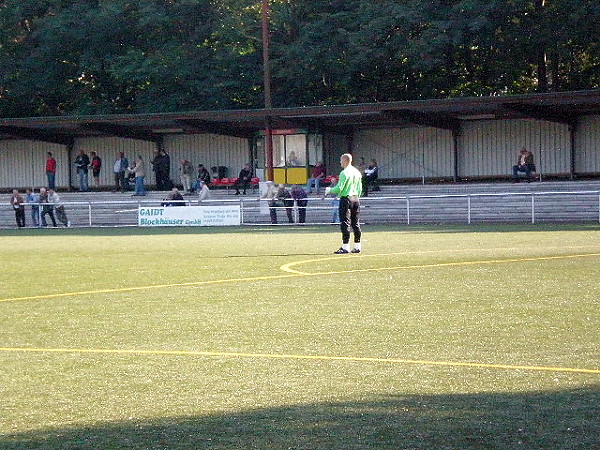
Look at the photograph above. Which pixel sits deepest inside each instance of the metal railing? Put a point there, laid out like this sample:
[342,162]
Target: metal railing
[513,207]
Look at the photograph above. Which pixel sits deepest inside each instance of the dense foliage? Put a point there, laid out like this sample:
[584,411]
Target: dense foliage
[108,56]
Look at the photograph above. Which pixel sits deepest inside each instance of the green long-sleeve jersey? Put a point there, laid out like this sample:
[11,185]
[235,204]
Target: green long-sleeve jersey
[350,183]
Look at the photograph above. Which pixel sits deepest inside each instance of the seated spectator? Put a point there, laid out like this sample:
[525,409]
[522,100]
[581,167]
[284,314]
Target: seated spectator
[203,191]
[244,179]
[524,164]
[174,199]
[293,160]
[299,196]
[202,176]
[317,175]
[372,177]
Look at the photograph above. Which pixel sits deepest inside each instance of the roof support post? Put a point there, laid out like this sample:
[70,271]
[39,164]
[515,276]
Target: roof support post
[267,88]
[265,49]
[160,143]
[455,136]
[350,148]
[269,149]
[70,147]
[573,149]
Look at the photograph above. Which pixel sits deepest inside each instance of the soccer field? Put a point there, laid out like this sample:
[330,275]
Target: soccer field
[434,337]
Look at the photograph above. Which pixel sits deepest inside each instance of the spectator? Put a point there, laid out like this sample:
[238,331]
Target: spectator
[524,164]
[335,218]
[139,172]
[51,170]
[82,163]
[47,209]
[161,165]
[96,165]
[34,198]
[293,160]
[270,195]
[284,198]
[244,179]
[18,205]
[372,177]
[317,175]
[61,214]
[186,171]
[203,191]
[203,176]
[166,169]
[174,198]
[278,197]
[120,167]
[299,196]
[155,162]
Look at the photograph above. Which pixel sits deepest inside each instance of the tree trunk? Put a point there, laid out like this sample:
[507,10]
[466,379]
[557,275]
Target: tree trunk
[541,58]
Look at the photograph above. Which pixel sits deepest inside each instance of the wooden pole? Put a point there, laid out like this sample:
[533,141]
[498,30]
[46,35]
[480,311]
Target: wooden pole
[267,89]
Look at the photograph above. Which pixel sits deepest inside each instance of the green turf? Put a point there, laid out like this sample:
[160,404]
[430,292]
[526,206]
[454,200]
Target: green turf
[489,295]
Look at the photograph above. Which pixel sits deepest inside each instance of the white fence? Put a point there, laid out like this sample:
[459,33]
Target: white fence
[509,207]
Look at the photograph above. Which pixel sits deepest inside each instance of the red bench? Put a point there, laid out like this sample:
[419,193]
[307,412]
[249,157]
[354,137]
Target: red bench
[230,182]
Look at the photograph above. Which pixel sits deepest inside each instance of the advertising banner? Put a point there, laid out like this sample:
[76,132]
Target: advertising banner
[189,216]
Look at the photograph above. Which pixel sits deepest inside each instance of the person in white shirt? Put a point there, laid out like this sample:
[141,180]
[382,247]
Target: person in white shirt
[203,191]
[61,214]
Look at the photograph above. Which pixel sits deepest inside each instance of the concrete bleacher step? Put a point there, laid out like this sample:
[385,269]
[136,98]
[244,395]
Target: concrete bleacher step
[446,203]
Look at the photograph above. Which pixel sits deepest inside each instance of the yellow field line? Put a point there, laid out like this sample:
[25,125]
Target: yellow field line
[287,267]
[299,357]
[291,273]
[144,288]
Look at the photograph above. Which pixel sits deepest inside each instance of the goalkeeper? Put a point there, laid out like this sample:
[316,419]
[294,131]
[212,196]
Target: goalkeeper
[348,189]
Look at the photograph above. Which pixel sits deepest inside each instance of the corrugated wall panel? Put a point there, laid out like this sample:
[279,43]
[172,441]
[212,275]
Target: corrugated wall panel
[490,148]
[408,152]
[208,149]
[486,148]
[23,164]
[334,146]
[587,142]
[107,148]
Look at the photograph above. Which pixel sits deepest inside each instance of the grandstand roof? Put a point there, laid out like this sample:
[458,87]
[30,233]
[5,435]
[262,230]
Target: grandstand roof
[562,107]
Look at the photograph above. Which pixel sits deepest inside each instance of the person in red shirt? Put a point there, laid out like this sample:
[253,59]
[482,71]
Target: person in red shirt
[51,170]
[318,173]
[96,165]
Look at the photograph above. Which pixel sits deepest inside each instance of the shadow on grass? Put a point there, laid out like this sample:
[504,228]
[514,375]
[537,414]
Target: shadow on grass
[536,420]
[295,229]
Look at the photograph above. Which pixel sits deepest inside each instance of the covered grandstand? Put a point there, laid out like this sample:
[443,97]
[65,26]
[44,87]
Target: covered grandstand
[449,140]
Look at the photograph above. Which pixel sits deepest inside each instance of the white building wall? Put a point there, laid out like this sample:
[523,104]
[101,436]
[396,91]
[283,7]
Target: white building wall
[485,148]
[208,149]
[408,152]
[334,146]
[490,148]
[23,164]
[107,149]
[587,145]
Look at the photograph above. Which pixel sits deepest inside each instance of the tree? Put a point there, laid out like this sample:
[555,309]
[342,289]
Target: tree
[112,56]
